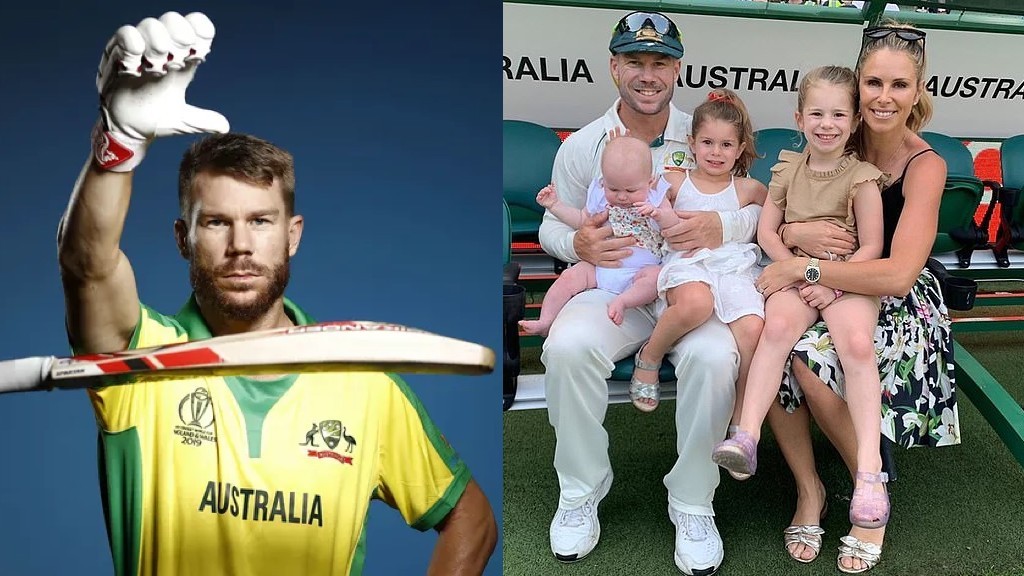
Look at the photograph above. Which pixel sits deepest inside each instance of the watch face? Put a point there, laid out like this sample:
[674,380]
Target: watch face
[812,275]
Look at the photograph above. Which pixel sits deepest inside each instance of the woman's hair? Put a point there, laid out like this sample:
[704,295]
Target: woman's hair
[725,105]
[921,113]
[840,76]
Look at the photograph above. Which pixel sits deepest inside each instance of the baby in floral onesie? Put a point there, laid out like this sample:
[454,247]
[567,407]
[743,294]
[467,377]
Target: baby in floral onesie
[625,182]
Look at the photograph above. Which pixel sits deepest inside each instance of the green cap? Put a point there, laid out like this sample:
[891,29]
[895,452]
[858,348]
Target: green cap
[646,32]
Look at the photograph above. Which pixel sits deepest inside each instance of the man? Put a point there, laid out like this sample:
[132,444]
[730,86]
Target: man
[584,344]
[212,475]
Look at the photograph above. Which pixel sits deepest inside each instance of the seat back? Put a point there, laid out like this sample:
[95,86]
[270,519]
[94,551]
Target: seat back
[506,220]
[960,196]
[1011,154]
[528,153]
[769,142]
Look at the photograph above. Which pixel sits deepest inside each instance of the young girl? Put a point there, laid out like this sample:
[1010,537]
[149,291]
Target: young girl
[825,182]
[719,281]
[625,181]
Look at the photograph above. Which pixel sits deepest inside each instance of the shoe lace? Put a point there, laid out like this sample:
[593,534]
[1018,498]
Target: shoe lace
[694,526]
[575,517]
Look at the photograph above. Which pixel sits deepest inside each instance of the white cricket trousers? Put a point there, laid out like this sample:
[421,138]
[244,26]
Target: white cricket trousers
[579,355]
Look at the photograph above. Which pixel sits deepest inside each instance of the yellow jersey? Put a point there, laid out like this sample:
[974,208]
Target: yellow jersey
[238,476]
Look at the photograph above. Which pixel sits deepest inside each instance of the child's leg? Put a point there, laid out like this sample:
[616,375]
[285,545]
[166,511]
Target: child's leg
[689,306]
[746,330]
[851,322]
[787,316]
[577,278]
[643,290]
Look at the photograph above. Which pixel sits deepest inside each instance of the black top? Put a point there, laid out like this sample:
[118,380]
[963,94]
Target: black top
[892,206]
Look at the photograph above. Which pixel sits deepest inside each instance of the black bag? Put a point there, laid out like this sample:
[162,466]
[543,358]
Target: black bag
[514,309]
[958,293]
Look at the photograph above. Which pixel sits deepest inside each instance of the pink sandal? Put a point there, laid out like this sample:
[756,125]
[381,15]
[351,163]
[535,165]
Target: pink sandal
[870,508]
[738,455]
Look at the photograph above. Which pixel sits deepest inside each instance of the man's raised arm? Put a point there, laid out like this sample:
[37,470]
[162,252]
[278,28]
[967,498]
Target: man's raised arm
[142,78]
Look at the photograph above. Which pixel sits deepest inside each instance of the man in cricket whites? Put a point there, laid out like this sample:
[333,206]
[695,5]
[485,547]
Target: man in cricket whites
[217,475]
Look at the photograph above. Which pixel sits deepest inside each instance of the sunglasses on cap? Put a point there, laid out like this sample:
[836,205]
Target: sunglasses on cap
[908,34]
[639,20]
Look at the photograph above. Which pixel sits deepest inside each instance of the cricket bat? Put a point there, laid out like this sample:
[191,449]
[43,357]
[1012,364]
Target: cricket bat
[351,346]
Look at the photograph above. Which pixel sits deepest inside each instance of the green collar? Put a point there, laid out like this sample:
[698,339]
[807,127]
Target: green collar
[190,318]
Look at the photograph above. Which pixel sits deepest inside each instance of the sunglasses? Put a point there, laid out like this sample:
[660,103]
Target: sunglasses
[907,34]
[639,20]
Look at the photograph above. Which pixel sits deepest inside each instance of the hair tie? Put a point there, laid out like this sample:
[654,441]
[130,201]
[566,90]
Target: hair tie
[716,97]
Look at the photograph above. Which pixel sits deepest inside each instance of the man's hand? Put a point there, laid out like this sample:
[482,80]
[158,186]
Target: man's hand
[695,230]
[142,79]
[821,239]
[595,243]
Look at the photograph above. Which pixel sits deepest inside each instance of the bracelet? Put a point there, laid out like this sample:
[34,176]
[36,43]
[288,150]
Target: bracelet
[839,294]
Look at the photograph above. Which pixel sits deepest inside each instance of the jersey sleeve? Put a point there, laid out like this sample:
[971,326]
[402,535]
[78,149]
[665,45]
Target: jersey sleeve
[420,475]
[118,408]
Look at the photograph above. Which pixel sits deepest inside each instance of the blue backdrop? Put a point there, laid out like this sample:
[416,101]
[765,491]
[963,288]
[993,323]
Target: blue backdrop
[390,110]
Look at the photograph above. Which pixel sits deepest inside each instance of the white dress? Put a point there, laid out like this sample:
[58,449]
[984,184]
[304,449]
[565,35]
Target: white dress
[629,222]
[729,270]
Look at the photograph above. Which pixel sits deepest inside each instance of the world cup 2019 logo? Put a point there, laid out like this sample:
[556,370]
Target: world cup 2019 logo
[196,413]
[196,409]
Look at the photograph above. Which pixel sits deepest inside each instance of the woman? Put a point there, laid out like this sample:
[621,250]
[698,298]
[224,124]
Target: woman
[914,328]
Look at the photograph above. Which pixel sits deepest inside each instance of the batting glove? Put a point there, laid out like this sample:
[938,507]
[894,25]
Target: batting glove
[142,79]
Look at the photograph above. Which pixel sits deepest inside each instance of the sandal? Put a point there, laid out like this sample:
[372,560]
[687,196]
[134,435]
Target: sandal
[737,454]
[807,534]
[868,507]
[736,475]
[866,552]
[644,395]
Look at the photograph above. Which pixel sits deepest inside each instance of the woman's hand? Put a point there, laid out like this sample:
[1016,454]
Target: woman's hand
[780,274]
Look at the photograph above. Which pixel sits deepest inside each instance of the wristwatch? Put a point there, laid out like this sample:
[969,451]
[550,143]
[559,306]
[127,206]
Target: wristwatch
[812,273]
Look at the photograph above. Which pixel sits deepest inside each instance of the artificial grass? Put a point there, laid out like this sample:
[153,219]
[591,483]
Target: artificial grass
[956,510]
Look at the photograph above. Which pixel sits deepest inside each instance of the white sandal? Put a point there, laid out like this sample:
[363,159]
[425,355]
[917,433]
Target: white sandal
[854,547]
[807,534]
[644,395]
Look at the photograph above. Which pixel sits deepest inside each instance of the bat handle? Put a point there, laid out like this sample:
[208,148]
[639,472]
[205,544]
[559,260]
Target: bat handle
[25,374]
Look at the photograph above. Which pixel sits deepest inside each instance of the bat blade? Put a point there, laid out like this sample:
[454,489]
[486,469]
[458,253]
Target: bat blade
[351,346]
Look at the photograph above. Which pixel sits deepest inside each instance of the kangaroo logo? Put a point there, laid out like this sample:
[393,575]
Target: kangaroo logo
[311,437]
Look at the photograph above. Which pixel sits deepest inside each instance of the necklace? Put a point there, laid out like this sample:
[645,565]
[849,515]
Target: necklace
[888,163]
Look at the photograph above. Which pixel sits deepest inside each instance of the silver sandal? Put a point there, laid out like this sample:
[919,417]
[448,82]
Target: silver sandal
[853,547]
[807,534]
[644,395]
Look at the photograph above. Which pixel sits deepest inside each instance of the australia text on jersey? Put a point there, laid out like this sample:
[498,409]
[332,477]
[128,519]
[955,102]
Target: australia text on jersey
[262,505]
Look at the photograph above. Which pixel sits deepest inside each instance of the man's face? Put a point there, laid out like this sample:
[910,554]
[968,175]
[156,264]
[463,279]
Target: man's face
[238,243]
[645,80]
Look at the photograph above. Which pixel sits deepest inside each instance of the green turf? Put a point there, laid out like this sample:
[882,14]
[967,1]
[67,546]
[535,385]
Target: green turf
[956,510]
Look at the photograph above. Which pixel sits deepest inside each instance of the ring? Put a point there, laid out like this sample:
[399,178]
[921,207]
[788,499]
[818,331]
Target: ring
[831,256]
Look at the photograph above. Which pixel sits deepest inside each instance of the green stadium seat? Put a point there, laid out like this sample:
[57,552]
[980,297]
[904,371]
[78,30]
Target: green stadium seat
[506,222]
[528,153]
[769,142]
[960,199]
[1011,224]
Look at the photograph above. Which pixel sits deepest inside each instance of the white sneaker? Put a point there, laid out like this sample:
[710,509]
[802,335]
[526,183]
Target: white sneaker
[574,533]
[698,546]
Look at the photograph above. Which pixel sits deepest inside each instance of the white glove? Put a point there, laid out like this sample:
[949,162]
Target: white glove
[142,79]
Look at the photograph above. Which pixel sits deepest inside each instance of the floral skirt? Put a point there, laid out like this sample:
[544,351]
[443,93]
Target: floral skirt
[915,362]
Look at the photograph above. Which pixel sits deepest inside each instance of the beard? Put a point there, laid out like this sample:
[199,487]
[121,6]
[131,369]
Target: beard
[204,284]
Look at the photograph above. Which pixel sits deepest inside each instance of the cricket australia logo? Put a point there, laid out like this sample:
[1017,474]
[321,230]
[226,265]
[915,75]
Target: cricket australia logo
[675,161]
[332,433]
[196,414]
